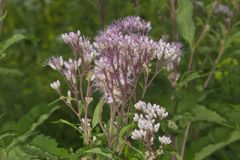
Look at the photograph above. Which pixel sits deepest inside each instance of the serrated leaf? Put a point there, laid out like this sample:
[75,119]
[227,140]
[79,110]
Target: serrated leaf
[27,124]
[185,22]
[8,71]
[97,113]
[31,120]
[201,113]
[49,145]
[15,38]
[36,152]
[211,148]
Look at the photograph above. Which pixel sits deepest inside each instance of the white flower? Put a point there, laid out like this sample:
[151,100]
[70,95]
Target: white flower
[55,85]
[69,96]
[156,127]
[148,122]
[94,138]
[164,140]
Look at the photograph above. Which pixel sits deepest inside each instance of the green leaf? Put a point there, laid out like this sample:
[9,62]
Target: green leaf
[6,135]
[31,120]
[27,124]
[49,145]
[201,113]
[122,133]
[2,17]
[188,77]
[7,71]
[211,148]
[69,124]
[137,150]
[232,38]
[97,113]
[188,99]
[34,151]
[2,55]
[185,22]
[15,38]
[1,115]
[17,154]
[100,152]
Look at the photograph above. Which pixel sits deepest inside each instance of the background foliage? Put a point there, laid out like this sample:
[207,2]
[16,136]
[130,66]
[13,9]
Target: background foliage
[213,111]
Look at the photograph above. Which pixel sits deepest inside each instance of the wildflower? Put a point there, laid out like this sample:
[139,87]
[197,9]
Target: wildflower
[80,45]
[169,52]
[94,139]
[55,62]
[55,85]
[164,140]
[69,97]
[224,9]
[131,24]
[148,122]
[88,122]
[123,50]
[170,55]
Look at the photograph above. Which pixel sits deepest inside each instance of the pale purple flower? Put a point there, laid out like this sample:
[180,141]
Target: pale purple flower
[224,9]
[130,25]
[80,45]
[55,63]
[123,50]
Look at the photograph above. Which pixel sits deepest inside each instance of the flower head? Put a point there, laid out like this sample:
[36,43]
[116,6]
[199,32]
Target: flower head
[55,85]
[122,50]
[164,140]
[55,62]
[80,45]
[148,119]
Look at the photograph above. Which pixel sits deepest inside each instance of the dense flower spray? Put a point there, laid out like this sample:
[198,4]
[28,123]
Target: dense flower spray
[123,51]
[118,58]
[148,119]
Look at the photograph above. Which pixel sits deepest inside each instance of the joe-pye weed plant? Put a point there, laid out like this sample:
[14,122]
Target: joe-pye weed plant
[120,59]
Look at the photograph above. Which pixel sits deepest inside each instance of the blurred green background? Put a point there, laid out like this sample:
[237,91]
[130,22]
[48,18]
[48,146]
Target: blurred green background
[43,22]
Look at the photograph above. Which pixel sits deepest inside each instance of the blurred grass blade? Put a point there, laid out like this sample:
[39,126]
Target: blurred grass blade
[15,38]
[8,71]
[3,17]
